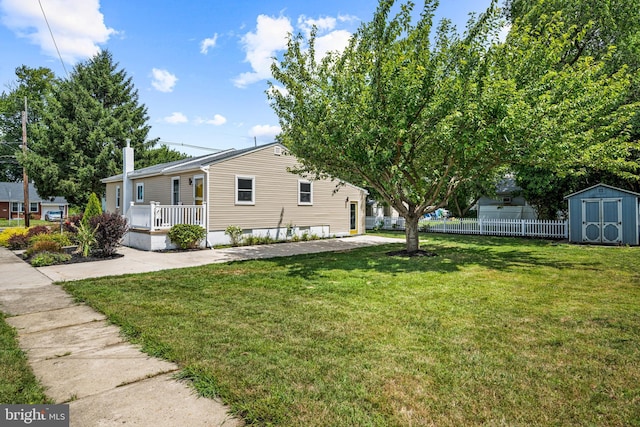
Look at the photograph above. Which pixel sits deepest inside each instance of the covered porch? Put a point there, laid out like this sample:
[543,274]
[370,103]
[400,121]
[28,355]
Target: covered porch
[149,224]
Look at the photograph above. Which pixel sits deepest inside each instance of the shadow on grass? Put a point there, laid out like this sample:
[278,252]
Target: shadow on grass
[452,253]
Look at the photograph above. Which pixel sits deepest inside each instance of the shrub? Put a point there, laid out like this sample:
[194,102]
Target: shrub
[110,229]
[250,240]
[92,210]
[186,236]
[43,259]
[85,238]
[235,234]
[38,229]
[72,223]
[18,241]
[44,246]
[6,234]
[62,239]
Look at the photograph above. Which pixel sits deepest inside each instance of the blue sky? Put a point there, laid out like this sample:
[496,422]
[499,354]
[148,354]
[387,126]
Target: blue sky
[200,67]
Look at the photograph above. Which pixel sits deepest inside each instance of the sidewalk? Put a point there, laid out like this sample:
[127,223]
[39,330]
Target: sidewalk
[82,359]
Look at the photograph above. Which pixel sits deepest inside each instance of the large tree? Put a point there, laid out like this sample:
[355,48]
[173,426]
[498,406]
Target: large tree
[88,119]
[605,31]
[416,119]
[34,85]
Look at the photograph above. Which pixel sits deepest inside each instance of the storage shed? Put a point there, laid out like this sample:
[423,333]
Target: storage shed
[604,214]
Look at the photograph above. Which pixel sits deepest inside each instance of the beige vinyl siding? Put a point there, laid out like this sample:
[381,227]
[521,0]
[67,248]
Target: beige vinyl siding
[276,196]
[110,195]
[156,188]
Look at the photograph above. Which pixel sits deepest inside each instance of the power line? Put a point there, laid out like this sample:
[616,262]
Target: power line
[53,38]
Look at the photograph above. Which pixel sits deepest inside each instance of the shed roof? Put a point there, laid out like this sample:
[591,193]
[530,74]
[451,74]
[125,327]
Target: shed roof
[602,185]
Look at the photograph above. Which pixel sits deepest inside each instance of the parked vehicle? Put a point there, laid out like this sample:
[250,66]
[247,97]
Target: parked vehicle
[53,216]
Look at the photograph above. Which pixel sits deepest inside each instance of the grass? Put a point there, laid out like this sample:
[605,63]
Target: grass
[18,385]
[492,331]
[20,223]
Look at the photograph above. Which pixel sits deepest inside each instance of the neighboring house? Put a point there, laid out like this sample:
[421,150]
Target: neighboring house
[12,202]
[507,204]
[250,188]
[381,215]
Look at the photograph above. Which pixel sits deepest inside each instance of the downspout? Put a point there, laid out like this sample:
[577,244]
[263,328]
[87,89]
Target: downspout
[205,169]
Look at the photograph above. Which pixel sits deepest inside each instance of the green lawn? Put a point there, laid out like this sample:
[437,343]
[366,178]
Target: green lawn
[492,331]
[17,382]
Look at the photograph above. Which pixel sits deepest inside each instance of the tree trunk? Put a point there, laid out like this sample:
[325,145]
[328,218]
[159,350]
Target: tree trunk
[411,233]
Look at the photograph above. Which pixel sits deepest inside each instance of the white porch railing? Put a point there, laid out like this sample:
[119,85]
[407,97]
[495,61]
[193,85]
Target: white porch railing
[488,227]
[155,216]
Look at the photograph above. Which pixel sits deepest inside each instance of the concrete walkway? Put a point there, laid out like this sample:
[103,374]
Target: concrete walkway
[83,360]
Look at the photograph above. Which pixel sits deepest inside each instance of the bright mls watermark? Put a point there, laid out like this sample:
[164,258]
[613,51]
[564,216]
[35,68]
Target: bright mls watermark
[34,415]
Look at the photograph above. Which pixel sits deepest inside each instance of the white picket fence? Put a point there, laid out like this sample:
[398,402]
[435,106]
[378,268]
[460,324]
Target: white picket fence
[499,227]
[491,227]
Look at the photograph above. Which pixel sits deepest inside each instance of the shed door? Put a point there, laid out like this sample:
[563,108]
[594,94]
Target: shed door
[602,220]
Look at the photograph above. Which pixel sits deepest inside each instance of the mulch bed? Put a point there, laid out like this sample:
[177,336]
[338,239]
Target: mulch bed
[418,253]
[77,258]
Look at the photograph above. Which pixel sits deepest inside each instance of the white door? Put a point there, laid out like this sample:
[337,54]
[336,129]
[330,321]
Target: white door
[602,220]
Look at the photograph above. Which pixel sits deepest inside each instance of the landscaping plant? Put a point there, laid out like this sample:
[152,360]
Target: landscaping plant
[235,234]
[93,209]
[186,236]
[109,228]
[85,237]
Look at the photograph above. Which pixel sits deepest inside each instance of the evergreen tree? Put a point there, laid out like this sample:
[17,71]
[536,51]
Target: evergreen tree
[88,120]
[34,84]
[93,209]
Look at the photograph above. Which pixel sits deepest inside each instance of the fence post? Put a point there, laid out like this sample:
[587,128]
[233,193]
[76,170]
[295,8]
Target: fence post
[480,226]
[524,227]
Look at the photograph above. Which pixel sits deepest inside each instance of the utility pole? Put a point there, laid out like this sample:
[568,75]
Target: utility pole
[26,206]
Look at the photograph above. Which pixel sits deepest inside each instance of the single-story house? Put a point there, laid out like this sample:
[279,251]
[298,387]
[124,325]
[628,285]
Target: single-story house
[251,188]
[604,214]
[12,202]
[507,203]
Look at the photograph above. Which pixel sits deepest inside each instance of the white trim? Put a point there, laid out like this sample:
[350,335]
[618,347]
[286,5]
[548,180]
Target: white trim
[140,192]
[173,194]
[253,190]
[118,197]
[300,202]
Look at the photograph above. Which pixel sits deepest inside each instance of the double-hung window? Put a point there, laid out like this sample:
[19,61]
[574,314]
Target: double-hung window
[305,193]
[140,192]
[118,197]
[245,190]
[175,190]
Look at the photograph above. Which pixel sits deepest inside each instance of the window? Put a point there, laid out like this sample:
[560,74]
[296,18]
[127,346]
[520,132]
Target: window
[140,192]
[305,194]
[175,191]
[118,197]
[17,207]
[33,207]
[245,188]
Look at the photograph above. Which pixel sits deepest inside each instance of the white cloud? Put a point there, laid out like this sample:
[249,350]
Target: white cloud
[208,43]
[261,46]
[217,120]
[77,25]
[163,80]
[265,131]
[322,24]
[176,118]
[335,41]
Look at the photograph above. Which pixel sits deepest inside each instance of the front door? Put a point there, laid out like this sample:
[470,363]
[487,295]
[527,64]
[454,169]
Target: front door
[353,218]
[602,220]
[198,195]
